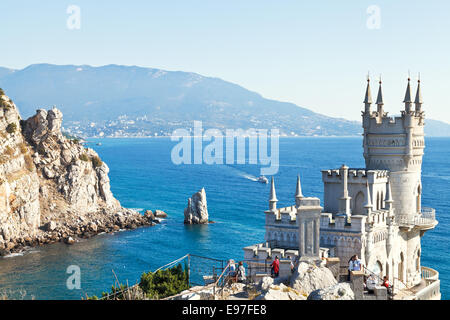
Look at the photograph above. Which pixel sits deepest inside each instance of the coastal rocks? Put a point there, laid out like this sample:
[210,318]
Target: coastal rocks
[160,214]
[308,277]
[265,283]
[196,211]
[149,215]
[52,188]
[339,291]
[50,226]
[281,292]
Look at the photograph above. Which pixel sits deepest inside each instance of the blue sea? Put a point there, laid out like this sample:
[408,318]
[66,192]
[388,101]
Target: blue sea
[144,177]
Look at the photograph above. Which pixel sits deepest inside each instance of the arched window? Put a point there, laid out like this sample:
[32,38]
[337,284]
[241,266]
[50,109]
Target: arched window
[400,267]
[418,205]
[358,207]
[418,260]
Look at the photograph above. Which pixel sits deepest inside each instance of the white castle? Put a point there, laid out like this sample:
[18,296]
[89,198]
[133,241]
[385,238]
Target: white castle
[374,212]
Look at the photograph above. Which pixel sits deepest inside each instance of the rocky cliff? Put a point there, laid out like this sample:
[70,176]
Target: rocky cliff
[51,187]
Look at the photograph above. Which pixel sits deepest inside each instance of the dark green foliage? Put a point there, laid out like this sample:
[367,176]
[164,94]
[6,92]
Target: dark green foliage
[164,283]
[96,162]
[84,157]
[2,93]
[12,127]
[117,293]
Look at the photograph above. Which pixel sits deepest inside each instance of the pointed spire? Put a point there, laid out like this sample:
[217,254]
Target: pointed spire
[298,192]
[368,204]
[408,92]
[407,101]
[418,100]
[368,97]
[273,197]
[389,199]
[380,94]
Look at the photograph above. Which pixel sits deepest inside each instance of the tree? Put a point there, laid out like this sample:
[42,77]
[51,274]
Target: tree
[165,283]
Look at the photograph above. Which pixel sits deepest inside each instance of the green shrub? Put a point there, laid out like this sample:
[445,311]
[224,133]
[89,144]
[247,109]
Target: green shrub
[164,283]
[84,157]
[2,93]
[12,127]
[96,162]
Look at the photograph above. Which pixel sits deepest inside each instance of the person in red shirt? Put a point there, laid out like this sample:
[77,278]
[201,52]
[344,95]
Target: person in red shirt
[386,284]
[275,267]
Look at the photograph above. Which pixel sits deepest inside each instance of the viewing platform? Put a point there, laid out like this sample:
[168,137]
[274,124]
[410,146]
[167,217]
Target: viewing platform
[426,220]
[427,289]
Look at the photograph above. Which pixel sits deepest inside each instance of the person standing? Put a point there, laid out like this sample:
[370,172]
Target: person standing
[350,266]
[275,267]
[356,263]
[241,272]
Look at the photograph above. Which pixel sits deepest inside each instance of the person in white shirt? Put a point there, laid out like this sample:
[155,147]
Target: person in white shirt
[356,263]
[241,272]
[350,267]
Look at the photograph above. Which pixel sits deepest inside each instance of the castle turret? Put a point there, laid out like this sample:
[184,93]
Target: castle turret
[388,202]
[344,201]
[298,192]
[367,98]
[418,100]
[368,203]
[407,101]
[380,104]
[273,197]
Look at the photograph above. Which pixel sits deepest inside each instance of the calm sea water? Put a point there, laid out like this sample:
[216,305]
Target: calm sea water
[143,177]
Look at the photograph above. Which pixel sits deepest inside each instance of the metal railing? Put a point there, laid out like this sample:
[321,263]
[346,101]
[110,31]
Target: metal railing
[429,274]
[426,218]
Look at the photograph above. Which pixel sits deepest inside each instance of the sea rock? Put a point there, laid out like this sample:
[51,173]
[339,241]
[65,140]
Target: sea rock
[196,211]
[50,226]
[69,240]
[309,277]
[149,215]
[160,214]
[339,291]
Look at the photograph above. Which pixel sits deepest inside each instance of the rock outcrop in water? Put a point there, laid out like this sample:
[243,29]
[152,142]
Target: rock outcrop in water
[196,211]
[52,188]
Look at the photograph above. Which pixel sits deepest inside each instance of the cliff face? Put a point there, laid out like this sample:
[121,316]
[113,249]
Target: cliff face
[51,187]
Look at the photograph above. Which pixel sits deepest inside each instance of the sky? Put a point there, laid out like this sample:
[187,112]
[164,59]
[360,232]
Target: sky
[315,54]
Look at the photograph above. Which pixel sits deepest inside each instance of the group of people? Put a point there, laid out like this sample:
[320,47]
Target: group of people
[354,264]
[238,274]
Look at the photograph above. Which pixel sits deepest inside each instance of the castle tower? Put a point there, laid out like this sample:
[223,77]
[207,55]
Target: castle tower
[397,144]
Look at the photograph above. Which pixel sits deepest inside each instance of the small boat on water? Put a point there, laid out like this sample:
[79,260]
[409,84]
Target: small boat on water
[99,144]
[263,179]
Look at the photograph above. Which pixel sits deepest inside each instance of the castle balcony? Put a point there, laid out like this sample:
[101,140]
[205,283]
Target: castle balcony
[429,274]
[426,220]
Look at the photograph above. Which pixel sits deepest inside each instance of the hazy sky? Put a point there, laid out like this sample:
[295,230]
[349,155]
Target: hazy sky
[313,53]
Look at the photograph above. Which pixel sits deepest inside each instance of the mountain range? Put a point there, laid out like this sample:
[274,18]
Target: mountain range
[159,100]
